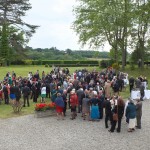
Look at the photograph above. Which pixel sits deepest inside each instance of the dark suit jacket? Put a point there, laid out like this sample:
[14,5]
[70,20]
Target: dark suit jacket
[131,81]
[107,106]
[26,91]
[139,109]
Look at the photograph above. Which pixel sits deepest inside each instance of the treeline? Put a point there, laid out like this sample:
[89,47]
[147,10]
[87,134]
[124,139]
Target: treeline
[56,54]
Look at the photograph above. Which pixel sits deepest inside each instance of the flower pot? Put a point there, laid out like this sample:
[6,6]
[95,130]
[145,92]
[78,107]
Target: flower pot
[40,114]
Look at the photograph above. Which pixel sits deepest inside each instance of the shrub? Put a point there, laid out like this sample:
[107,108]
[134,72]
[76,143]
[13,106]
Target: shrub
[28,62]
[18,62]
[46,65]
[57,62]
[116,66]
[104,64]
[132,66]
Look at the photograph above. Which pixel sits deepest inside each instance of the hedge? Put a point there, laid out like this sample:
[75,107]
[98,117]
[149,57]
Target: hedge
[103,63]
[73,65]
[56,62]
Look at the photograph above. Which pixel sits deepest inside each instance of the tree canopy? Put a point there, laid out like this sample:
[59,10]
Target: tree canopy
[14,31]
[124,24]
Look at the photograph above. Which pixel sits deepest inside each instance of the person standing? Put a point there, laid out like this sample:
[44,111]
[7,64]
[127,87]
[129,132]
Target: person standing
[142,92]
[131,83]
[59,106]
[94,114]
[1,95]
[119,110]
[138,113]
[53,94]
[26,93]
[12,94]
[64,96]
[107,89]
[47,90]
[101,103]
[34,92]
[81,95]
[137,83]
[6,93]
[17,93]
[43,93]
[131,115]
[73,104]
[86,107]
[108,112]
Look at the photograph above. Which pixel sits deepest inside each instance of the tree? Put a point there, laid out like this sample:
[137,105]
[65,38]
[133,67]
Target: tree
[11,13]
[68,51]
[141,28]
[98,21]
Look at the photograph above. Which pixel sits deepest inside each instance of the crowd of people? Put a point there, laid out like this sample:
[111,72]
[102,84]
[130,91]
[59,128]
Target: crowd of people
[83,92]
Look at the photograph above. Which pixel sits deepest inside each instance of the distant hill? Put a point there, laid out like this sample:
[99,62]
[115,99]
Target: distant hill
[55,54]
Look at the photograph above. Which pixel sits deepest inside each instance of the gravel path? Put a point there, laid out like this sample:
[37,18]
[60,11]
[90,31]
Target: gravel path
[30,133]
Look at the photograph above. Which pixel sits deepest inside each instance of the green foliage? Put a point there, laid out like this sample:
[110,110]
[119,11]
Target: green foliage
[57,62]
[104,64]
[15,32]
[116,66]
[55,54]
[123,24]
[46,65]
[18,62]
[28,62]
[132,66]
[4,45]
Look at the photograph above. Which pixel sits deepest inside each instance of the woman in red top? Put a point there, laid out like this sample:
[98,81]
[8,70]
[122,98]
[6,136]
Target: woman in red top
[74,104]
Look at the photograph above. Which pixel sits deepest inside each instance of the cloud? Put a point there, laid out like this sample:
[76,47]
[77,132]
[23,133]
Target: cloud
[55,18]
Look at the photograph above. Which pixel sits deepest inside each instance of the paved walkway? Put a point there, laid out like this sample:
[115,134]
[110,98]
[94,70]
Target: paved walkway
[30,133]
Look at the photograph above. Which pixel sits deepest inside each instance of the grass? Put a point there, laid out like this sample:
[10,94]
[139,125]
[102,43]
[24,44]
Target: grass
[6,111]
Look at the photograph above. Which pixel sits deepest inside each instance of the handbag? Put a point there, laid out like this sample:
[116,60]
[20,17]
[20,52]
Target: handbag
[115,117]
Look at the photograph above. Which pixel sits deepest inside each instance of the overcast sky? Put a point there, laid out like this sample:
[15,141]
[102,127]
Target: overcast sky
[55,18]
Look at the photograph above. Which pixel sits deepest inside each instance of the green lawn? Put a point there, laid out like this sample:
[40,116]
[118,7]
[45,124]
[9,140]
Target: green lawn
[6,111]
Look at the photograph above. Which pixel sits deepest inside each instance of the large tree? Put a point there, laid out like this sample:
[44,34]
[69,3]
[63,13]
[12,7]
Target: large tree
[98,21]
[11,13]
[122,23]
[140,31]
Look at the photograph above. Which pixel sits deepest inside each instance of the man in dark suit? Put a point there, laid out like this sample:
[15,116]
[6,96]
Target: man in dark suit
[131,83]
[81,95]
[26,93]
[108,112]
[137,83]
[5,91]
[142,92]
[138,113]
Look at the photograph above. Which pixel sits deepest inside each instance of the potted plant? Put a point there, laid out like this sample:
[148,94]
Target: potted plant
[44,110]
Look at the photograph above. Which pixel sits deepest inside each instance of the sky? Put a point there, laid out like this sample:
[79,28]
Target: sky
[55,18]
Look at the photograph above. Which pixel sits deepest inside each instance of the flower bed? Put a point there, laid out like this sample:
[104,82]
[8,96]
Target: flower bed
[44,110]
